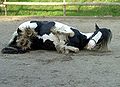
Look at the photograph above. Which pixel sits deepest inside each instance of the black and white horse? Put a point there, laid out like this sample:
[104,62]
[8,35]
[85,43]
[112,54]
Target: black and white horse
[52,35]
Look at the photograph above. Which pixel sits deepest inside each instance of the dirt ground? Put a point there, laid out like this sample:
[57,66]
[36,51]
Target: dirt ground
[50,69]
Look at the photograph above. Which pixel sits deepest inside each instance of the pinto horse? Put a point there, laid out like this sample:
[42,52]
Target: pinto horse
[52,35]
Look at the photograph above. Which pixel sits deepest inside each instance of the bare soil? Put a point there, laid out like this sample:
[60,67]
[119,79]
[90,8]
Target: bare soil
[44,68]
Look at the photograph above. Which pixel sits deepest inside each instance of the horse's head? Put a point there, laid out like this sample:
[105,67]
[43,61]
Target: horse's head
[99,39]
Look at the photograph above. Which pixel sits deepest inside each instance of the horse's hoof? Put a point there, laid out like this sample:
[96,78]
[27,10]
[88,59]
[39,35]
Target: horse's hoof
[76,50]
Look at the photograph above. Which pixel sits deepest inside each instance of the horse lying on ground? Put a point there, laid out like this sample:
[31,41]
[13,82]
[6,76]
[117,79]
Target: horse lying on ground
[51,35]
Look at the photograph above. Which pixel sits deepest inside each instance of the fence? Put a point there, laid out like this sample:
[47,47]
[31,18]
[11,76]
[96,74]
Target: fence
[4,4]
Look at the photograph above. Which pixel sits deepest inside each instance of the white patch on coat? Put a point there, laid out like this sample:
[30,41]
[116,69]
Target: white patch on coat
[97,36]
[91,44]
[26,25]
[94,40]
[62,28]
[88,35]
[50,37]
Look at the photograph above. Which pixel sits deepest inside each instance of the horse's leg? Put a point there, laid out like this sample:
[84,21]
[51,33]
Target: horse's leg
[66,31]
[60,48]
[66,49]
[71,48]
[62,36]
[62,39]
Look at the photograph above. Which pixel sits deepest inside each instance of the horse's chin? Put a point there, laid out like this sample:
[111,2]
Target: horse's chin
[12,50]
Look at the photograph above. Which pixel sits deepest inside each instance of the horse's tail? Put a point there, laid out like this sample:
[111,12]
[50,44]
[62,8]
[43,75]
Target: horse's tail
[109,35]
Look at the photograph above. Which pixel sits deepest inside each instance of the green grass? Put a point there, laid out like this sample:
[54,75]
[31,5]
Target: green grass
[58,10]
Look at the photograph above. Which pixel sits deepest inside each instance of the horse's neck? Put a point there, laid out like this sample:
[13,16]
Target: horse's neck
[88,35]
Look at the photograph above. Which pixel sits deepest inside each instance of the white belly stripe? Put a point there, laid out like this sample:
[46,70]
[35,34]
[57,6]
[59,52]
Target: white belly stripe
[50,37]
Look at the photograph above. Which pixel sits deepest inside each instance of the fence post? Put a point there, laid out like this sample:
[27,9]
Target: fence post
[0,8]
[5,9]
[64,8]
[78,6]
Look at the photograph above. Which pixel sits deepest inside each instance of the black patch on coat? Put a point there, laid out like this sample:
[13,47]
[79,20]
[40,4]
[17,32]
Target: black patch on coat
[38,44]
[43,27]
[19,31]
[13,43]
[48,45]
[106,35]
[78,40]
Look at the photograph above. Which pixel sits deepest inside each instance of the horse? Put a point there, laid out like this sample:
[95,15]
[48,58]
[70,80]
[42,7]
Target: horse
[100,39]
[52,35]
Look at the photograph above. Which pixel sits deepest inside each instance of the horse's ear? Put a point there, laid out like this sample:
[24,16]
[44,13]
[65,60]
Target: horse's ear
[96,27]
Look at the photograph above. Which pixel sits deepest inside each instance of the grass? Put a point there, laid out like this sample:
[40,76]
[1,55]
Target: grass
[58,10]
